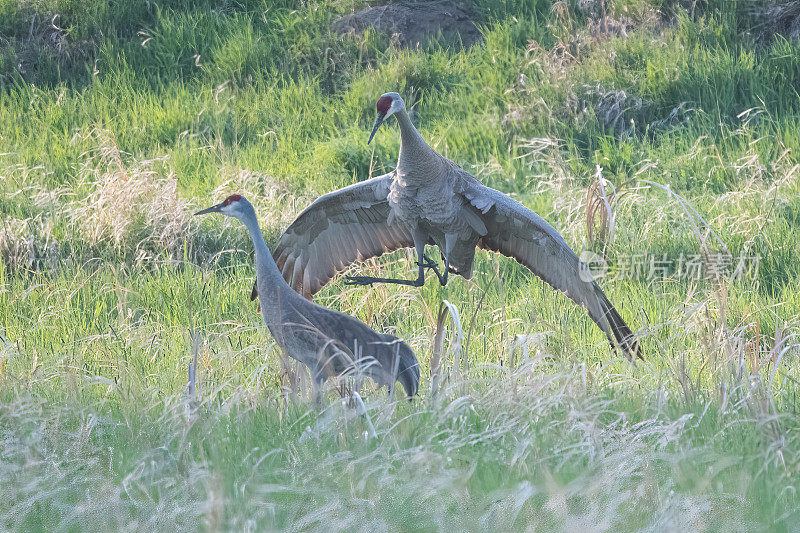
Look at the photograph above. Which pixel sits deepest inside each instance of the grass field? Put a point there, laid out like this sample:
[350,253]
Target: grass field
[119,119]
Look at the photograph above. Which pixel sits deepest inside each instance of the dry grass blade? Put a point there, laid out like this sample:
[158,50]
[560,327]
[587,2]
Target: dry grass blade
[436,348]
[191,386]
[361,409]
[537,149]
[191,402]
[602,204]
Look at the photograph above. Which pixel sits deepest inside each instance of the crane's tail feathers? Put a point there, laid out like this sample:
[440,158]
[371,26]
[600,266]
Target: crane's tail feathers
[621,336]
[408,373]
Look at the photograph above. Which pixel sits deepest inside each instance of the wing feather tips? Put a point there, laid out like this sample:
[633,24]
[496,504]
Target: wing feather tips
[298,272]
[604,315]
[288,269]
[371,240]
[624,339]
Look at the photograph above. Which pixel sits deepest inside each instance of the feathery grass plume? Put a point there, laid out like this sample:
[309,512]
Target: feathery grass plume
[616,109]
[569,203]
[764,191]
[16,244]
[29,244]
[272,198]
[697,224]
[130,206]
[535,150]
[559,182]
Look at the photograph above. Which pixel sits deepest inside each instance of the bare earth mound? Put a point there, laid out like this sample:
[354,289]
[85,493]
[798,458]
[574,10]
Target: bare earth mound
[413,23]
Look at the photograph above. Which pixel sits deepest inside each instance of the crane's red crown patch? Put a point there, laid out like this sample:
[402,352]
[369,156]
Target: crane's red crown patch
[232,198]
[384,104]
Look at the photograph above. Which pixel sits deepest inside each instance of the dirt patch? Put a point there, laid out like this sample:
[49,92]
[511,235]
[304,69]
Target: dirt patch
[411,24]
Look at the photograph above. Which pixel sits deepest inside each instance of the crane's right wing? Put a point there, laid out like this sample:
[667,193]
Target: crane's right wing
[336,230]
[517,232]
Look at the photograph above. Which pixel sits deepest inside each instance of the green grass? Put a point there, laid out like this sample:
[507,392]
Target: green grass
[119,119]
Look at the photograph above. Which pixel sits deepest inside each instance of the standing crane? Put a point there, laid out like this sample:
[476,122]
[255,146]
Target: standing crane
[428,199]
[330,343]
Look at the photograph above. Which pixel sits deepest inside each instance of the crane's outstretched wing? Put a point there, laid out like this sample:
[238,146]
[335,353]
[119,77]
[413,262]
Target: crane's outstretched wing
[337,229]
[517,232]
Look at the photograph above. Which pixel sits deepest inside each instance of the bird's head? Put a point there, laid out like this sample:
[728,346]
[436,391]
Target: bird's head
[387,105]
[234,205]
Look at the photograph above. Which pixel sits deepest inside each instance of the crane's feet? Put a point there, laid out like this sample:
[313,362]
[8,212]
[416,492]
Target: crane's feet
[369,280]
[428,263]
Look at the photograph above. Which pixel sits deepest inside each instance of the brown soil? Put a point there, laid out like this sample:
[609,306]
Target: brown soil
[411,24]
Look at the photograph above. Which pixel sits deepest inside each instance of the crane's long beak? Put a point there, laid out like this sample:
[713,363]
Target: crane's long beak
[378,122]
[213,209]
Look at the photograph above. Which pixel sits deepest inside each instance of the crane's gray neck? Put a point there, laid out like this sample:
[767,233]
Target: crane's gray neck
[272,288]
[264,262]
[417,161]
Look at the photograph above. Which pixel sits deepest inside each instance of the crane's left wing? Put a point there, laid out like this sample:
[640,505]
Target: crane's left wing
[517,232]
[337,229]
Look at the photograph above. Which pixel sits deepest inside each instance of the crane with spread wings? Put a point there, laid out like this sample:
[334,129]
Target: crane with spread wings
[429,200]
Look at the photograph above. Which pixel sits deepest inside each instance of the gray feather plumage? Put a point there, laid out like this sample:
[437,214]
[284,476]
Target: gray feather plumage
[330,343]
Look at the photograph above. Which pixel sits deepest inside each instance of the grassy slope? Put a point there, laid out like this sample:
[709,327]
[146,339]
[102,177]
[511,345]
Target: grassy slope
[112,137]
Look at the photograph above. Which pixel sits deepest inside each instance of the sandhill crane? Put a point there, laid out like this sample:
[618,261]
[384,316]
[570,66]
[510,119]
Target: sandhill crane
[327,341]
[428,199]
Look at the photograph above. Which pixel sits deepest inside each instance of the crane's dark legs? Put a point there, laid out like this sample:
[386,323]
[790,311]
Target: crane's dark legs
[449,243]
[423,261]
